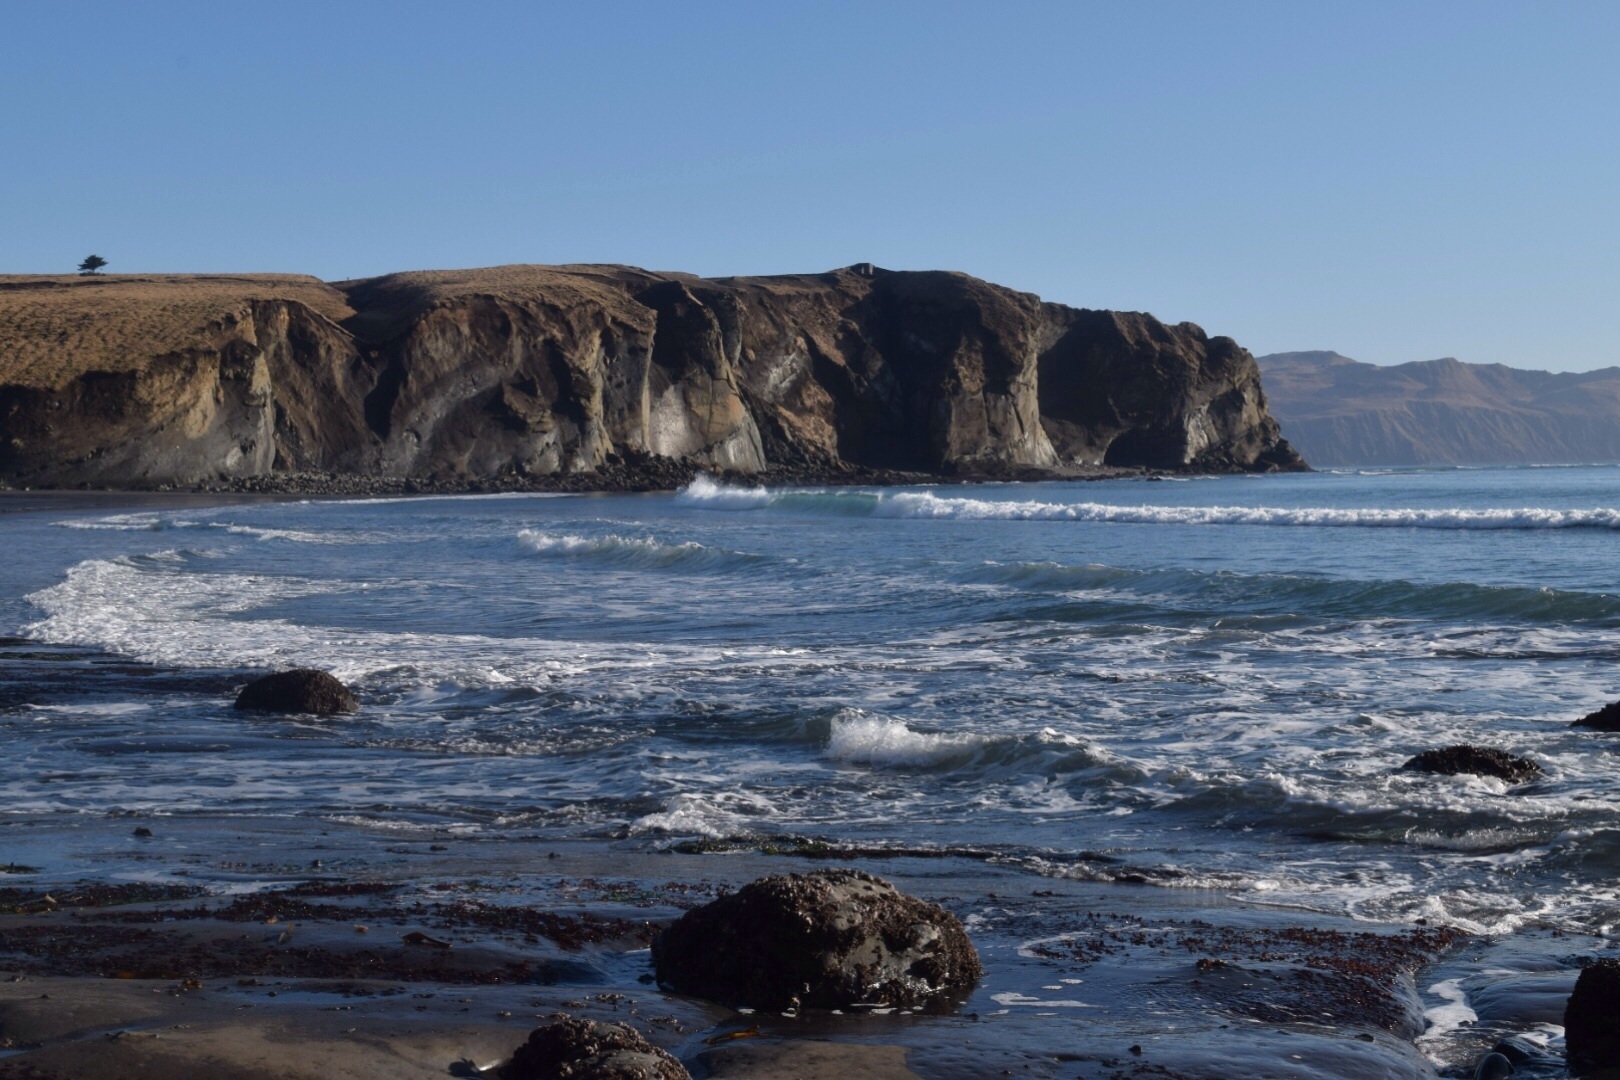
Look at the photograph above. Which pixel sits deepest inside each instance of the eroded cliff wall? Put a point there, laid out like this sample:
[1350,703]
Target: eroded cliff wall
[533,370]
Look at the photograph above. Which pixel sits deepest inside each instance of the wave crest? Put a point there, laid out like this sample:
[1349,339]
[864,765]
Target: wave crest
[714,815]
[707,492]
[861,739]
[926,504]
[856,737]
[632,551]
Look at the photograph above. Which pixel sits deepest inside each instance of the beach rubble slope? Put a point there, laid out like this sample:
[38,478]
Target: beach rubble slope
[135,381]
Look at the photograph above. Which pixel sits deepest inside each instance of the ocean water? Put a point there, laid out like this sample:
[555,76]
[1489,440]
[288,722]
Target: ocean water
[1199,683]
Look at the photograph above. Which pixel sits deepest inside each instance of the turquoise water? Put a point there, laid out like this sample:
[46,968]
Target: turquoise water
[1187,683]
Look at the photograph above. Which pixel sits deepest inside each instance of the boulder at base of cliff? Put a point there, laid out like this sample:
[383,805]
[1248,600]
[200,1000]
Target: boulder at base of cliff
[302,690]
[1592,1019]
[828,940]
[566,1048]
[1478,760]
[1605,719]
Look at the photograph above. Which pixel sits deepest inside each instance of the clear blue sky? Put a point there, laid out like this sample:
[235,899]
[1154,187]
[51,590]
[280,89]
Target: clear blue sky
[1396,181]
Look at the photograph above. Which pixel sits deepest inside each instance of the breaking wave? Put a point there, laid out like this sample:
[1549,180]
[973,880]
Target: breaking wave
[118,523]
[709,493]
[151,522]
[925,504]
[705,492]
[860,738]
[714,815]
[633,552]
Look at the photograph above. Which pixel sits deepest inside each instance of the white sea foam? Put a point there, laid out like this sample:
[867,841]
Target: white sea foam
[157,609]
[1448,1017]
[371,821]
[299,536]
[715,815]
[1013,997]
[1177,713]
[155,522]
[93,711]
[147,522]
[926,504]
[173,618]
[628,550]
[707,492]
[862,739]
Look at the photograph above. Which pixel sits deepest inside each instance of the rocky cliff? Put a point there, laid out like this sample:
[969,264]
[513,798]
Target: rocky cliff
[536,371]
[1442,412]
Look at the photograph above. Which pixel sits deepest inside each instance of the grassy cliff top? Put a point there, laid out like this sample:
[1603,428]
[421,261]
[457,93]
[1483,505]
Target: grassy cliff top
[55,327]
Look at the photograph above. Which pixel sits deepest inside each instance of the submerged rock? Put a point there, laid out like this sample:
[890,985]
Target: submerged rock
[1605,719]
[567,1048]
[1517,1050]
[1478,760]
[301,690]
[828,939]
[1592,1019]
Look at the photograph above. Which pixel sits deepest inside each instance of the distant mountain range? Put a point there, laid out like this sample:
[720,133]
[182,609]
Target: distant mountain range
[1338,411]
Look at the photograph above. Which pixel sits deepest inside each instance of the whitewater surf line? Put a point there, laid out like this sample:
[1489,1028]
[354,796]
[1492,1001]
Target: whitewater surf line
[706,493]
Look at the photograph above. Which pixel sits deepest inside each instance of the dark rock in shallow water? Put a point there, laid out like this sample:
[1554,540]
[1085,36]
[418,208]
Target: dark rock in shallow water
[566,1048]
[1478,760]
[302,690]
[1518,1051]
[1605,719]
[1493,1066]
[828,939]
[1592,1019]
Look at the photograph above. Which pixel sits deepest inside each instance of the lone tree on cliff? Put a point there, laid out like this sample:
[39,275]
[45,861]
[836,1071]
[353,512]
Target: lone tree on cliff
[92,265]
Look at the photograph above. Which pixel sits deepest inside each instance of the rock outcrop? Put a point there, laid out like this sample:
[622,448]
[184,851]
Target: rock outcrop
[142,381]
[827,940]
[300,690]
[1339,411]
[1604,719]
[1592,1019]
[567,1048]
[1477,761]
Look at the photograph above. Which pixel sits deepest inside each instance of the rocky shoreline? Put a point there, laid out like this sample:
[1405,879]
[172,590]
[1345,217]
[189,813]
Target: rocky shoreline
[432,952]
[158,946]
[631,475]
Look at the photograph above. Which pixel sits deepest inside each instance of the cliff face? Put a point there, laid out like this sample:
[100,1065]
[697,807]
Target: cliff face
[1122,388]
[1442,412]
[470,375]
[262,386]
